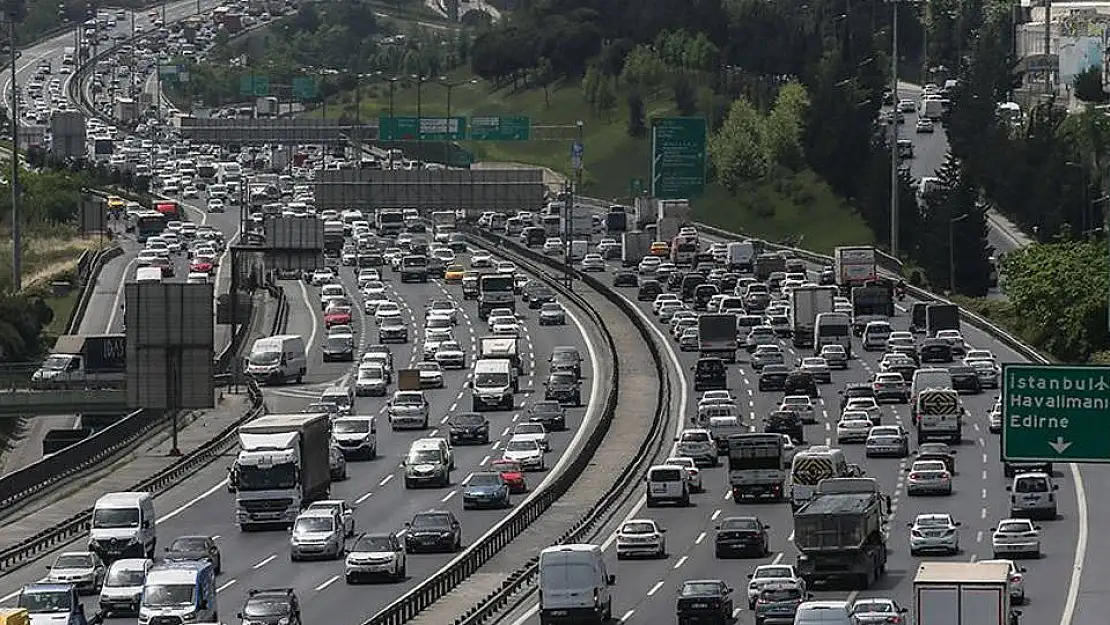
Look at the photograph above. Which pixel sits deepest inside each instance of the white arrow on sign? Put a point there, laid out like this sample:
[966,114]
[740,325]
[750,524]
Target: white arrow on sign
[1060,445]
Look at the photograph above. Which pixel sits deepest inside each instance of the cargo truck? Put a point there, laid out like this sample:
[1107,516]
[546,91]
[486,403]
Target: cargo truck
[941,317]
[666,229]
[501,348]
[616,220]
[717,336]
[78,360]
[333,237]
[806,302]
[740,256]
[871,302]
[854,266]
[495,291]
[284,465]
[767,264]
[840,533]
[963,593]
[755,466]
[635,246]
[939,414]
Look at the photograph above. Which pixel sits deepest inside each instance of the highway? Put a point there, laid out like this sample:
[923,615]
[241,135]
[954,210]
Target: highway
[645,590]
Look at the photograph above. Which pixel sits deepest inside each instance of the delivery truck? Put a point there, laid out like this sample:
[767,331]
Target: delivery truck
[79,360]
[635,246]
[717,336]
[963,593]
[284,465]
[806,302]
[501,348]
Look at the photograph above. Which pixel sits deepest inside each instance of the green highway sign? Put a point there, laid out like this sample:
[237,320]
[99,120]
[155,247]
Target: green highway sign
[678,157]
[252,85]
[1055,413]
[304,88]
[422,128]
[514,128]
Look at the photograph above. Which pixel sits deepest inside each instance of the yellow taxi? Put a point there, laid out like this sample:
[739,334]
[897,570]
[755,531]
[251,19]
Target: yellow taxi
[660,248]
[454,273]
[14,616]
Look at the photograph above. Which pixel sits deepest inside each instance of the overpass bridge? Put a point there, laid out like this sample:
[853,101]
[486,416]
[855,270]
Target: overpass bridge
[36,402]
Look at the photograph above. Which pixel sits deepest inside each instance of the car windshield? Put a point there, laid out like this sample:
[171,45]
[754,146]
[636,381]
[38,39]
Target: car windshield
[488,379]
[546,407]
[872,607]
[259,606]
[431,521]
[125,578]
[189,544]
[373,544]
[520,444]
[449,346]
[111,518]
[485,479]
[315,524]
[694,437]
[46,601]
[740,524]
[928,466]
[76,561]
[423,456]
[166,595]
[1032,485]
[339,342]
[701,589]
[638,527]
[351,427]
[408,399]
[467,419]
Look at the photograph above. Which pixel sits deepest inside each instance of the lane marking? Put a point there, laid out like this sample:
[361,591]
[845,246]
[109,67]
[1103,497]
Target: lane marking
[226,585]
[331,580]
[363,498]
[385,480]
[680,562]
[1080,547]
[264,562]
[654,589]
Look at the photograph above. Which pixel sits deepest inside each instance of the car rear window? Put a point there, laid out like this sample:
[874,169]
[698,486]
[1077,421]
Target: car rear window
[666,475]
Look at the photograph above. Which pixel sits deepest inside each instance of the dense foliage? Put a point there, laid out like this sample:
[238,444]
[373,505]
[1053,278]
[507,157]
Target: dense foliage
[22,320]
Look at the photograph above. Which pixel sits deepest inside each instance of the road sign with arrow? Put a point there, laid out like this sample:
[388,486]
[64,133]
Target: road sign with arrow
[1055,413]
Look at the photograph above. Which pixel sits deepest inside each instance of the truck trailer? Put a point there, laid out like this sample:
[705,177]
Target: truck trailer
[284,465]
[755,466]
[635,246]
[854,266]
[963,593]
[839,534]
[717,336]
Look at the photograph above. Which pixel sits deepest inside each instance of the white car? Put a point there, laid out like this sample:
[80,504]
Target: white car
[83,569]
[1017,580]
[373,289]
[801,404]
[371,380]
[648,265]
[431,374]
[342,509]
[767,574]
[553,246]
[929,476]
[934,532]
[980,354]
[532,431]
[723,396]
[525,451]
[955,339]
[852,430]
[698,444]
[668,309]
[374,555]
[660,299]
[593,262]
[320,277]
[507,329]
[450,355]
[641,537]
[387,310]
[1016,538]
[692,471]
[481,258]
[866,405]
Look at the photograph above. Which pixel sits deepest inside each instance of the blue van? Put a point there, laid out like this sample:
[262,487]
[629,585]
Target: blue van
[178,592]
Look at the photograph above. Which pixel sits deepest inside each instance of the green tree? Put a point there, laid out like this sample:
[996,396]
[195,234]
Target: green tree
[590,83]
[738,150]
[1088,86]
[637,126]
[605,98]
[785,126]
[955,223]
[543,76]
[643,70]
[685,97]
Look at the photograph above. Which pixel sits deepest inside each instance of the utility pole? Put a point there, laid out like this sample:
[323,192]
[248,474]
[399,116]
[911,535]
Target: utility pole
[894,132]
[1048,46]
[17,229]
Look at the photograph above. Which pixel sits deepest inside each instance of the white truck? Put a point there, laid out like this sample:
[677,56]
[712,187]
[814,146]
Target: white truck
[806,302]
[755,466]
[581,222]
[962,593]
[740,256]
[717,336]
[78,360]
[501,348]
[284,465]
[634,246]
[939,413]
[854,266]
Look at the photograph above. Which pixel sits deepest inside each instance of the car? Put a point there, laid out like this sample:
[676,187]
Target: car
[341,509]
[689,341]
[537,294]
[907,106]
[593,262]
[924,125]
[194,548]
[552,314]
[83,569]
[450,355]
[852,428]
[818,367]
[485,489]
[442,308]
[641,537]
[801,404]
[787,423]
[625,279]
[767,574]
[867,405]
[989,374]
[698,444]
[317,534]
[339,347]
[937,451]
[468,427]
[767,355]
[338,462]
[1017,580]
[436,531]
[887,440]
[512,473]
[935,350]
[453,274]
[966,379]
[649,290]
[704,600]
[526,451]
[1016,538]
[955,339]
[431,374]
[741,535]
[534,431]
[835,355]
[272,606]
[934,532]
[994,420]
[891,387]
[692,471]
[928,477]
[566,358]
[371,380]
[480,259]
[552,246]
[878,610]
[551,414]
[773,377]
[337,314]
[777,603]
[377,554]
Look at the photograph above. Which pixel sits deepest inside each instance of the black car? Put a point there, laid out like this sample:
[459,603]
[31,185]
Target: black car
[339,348]
[648,290]
[625,278]
[195,548]
[704,601]
[801,383]
[434,531]
[540,296]
[271,606]
[773,377]
[856,390]
[785,422]
[827,277]
[937,451]
[936,350]
[550,413]
[710,375]
[965,380]
[533,236]
[741,535]
[468,427]
[566,358]
[564,388]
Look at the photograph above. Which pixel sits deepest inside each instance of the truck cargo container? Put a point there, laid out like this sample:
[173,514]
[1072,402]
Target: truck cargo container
[717,336]
[78,360]
[854,266]
[840,533]
[806,302]
[963,593]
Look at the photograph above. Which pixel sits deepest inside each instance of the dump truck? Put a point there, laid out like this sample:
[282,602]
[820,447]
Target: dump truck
[962,593]
[854,266]
[717,336]
[755,466]
[806,302]
[839,534]
[284,465]
[79,360]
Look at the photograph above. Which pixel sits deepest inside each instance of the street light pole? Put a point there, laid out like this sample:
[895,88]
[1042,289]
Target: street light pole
[392,87]
[952,251]
[419,107]
[17,229]
[894,131]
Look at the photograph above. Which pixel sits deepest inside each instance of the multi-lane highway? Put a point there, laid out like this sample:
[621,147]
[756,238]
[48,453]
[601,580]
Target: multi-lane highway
[646,589]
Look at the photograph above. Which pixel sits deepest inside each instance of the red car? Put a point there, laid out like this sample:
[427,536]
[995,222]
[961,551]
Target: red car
[512,474]
[201,266]
[337,316]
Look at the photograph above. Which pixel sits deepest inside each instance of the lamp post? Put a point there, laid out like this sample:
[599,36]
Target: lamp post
[13,10]
[449,86]
[419,105]
[392,88]
[894,130]
[952,251]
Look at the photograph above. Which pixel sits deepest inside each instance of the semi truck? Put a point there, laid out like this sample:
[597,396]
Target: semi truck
[963,593]
[839,534]
[79,360]
[717,337]
[755,466]
[941,317]
[503,348]
[806,302]
[635,246]
[284,465]
[854,266]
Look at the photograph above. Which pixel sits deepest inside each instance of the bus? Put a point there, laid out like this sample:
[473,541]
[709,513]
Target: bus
[149,224]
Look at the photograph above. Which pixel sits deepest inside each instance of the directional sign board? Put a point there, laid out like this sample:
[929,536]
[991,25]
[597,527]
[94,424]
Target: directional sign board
[1055,413]
[254,85]
[678,157]
[513,128]
[304,88]
[422,128]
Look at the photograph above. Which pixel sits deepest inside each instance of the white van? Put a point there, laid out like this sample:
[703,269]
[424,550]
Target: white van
[575,585]
[148,274]
[824,613]
[578,250]
[741,255]
[194,277]
[494,384]
[667,483]
[833,329]
[123,526]
[341,396]
[356,436]
[1033,495]
[429,462]
[876,334]
[182,591]
[930,377]
[276,359]
[123,586]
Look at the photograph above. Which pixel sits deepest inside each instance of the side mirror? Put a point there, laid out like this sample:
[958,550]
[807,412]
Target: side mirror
[1055,487]
[402,463]
[766,526]
[239,615]
[958,523]
[909,524]
[1037,527]
[166,549]
[1021,570]
[991,529]
[903,610]
[749,575]
[663,530]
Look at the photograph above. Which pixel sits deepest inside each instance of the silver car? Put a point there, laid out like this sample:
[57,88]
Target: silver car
[934,532]
[83,569]
[316,534]
[878,611]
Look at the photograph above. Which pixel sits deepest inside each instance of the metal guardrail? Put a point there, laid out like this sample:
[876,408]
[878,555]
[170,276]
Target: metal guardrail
[466,564]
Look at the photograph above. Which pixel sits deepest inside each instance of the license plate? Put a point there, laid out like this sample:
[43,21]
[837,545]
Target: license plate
[558,613]
[699,606]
